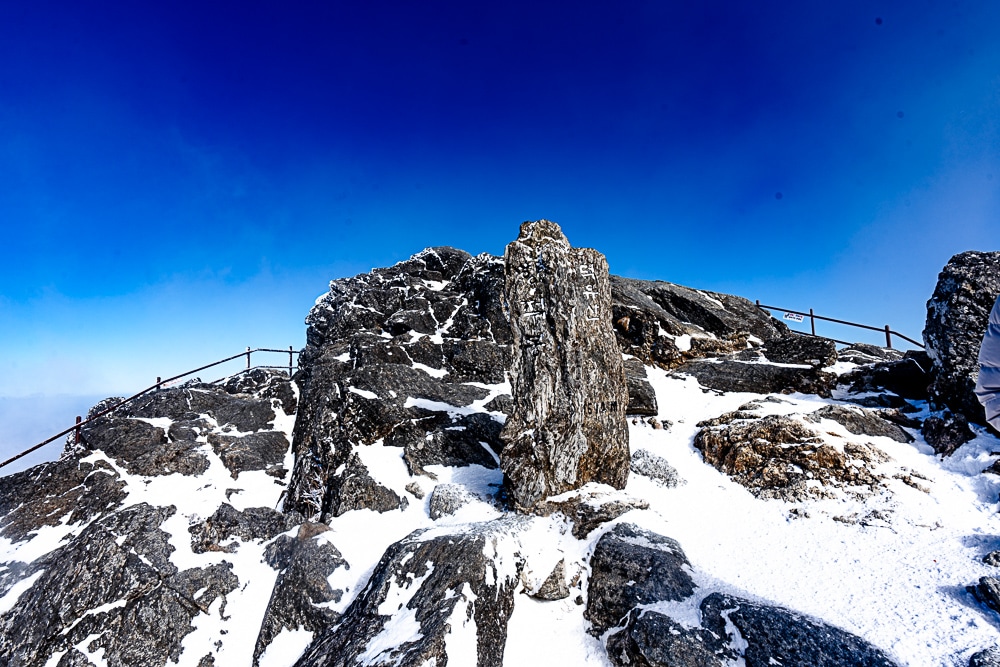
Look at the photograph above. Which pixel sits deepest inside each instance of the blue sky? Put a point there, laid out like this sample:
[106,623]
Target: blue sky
[181,181]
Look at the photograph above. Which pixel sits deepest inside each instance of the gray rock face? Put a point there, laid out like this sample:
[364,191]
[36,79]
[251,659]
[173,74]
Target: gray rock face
[123,557]
[401,355]
[651,318]
[753,376]
[799,349]
[568,424]
[254,523]
[630,567]
[778,636]
[442,583]
[987,591]
[302,588]
[860,421]
[957,315]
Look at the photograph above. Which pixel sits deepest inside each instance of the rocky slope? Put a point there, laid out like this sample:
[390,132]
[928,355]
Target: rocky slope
[787,503]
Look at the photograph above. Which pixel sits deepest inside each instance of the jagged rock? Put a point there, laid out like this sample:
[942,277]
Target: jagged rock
[777,456]
[244,414]
[947,432]
[861,422]
[554,587]
[655,467]
[113,581]
[568,425]
[907,376]
[632,566]
[355,489]
[992,558]
[653,639]
[757,377]
[865,354]
[654,320]
[302,590]
[957,315]
[987,591]
[446,499]
[590,508]
[801,349]
[776,636]
[641,397]
[45,494]
[265,383]
[253,523]
[369,373]
[986,658]
[254,451]
[440,585]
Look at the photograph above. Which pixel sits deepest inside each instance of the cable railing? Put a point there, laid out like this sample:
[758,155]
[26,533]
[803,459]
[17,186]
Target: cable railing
[161,384]
[889,333]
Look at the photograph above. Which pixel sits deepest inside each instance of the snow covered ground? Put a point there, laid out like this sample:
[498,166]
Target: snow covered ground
[891,568]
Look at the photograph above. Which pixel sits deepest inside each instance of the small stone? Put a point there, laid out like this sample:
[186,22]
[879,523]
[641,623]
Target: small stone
[415,489]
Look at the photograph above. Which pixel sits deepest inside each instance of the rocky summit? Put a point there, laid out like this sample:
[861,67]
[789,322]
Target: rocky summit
[523,460]
[567,425]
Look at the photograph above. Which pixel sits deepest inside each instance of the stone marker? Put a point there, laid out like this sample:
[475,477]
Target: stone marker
[568,424]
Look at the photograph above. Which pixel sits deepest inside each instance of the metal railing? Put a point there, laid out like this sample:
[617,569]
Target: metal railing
[160,384]
[889,333]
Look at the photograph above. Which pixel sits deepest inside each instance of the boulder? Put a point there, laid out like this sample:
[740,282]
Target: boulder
[957,315]
[655,639]
[302,591]
[631,566]
[446,499]
[777,636]
[648,464]
[112,588]
[860,421]
[732,374]
[641,396]
[801,349]
[425,591]
[987,591]
[989,657]
[253,523]
[371,371]
[568,425]
[666,324]
[947,432]
[777,456]
[354,489]
[907,376]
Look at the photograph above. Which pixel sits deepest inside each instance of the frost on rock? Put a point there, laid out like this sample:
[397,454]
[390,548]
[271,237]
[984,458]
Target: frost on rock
[568,424]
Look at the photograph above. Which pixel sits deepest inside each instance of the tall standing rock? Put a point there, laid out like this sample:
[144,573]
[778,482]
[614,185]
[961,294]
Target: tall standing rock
[957,315]
[568,424]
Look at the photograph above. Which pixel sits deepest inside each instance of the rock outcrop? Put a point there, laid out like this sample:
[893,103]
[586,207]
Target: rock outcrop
[957,315]
[567,427]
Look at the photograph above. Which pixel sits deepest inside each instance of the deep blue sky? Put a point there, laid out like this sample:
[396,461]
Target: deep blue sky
[180,180]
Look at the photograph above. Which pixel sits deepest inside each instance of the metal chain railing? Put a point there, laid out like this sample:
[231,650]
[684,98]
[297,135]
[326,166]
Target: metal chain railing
[160,384]
[889,333]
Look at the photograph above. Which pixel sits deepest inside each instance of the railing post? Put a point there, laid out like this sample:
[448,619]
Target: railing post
[248,356]
[290,361]
[812,321]
[158,383]
[888,337]
[76,433]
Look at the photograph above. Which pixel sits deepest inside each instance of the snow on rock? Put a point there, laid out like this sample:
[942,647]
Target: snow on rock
[840,520]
